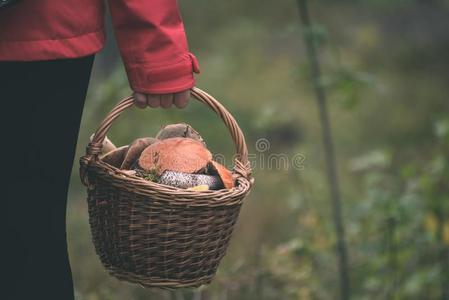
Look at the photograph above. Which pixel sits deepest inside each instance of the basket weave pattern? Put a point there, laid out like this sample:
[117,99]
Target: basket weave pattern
[157,235]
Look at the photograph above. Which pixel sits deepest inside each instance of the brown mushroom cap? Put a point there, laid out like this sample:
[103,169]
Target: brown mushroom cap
[115,157]
[225,175]
[175,154]
[134,151]
[178,130]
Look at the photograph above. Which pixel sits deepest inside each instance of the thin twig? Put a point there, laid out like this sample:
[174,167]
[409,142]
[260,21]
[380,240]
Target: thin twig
[331,168]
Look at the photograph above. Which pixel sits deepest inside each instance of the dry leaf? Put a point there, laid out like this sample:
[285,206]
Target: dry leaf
[129,172]
[199,188]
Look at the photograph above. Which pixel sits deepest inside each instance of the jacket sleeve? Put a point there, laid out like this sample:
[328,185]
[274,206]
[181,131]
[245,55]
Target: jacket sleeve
[153,45]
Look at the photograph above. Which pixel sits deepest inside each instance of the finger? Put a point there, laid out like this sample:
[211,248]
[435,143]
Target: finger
[140,100]
[166,100]
[182,99]
[154,101]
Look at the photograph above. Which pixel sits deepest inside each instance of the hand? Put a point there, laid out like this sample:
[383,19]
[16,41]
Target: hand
[180,99]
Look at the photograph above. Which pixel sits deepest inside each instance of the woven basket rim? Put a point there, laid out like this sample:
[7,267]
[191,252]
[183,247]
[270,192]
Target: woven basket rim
[162,192]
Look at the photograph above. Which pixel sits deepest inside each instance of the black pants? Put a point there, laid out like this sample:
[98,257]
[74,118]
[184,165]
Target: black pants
[41,106]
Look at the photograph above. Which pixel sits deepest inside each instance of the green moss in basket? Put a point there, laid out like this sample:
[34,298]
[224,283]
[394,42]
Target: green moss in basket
[150,176]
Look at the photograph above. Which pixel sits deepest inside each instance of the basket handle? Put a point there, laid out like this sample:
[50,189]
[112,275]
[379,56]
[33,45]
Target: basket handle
[242,165]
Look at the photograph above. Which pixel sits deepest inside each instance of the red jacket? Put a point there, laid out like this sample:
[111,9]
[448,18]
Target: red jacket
[150,36]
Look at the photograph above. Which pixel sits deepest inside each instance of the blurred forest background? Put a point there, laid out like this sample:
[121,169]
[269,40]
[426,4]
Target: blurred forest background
[385,68]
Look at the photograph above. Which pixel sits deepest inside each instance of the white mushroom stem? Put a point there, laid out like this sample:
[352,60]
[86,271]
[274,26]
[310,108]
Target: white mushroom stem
[108,146]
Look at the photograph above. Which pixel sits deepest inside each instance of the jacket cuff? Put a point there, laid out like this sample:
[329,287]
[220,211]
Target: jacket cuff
[163,78]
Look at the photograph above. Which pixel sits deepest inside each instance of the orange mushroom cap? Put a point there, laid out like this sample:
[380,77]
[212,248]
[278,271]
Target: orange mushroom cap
[175,154]
[224,173]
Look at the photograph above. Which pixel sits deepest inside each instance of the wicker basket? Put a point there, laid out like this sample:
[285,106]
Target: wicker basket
[156,235]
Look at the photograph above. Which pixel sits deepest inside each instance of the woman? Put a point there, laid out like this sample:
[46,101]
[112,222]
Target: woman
[46,54]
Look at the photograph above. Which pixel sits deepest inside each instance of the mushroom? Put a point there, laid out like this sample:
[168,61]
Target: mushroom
[115,157]
[107,147]
[224,174]
[175,154]
[185,180]
[179,130]
[134,151]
